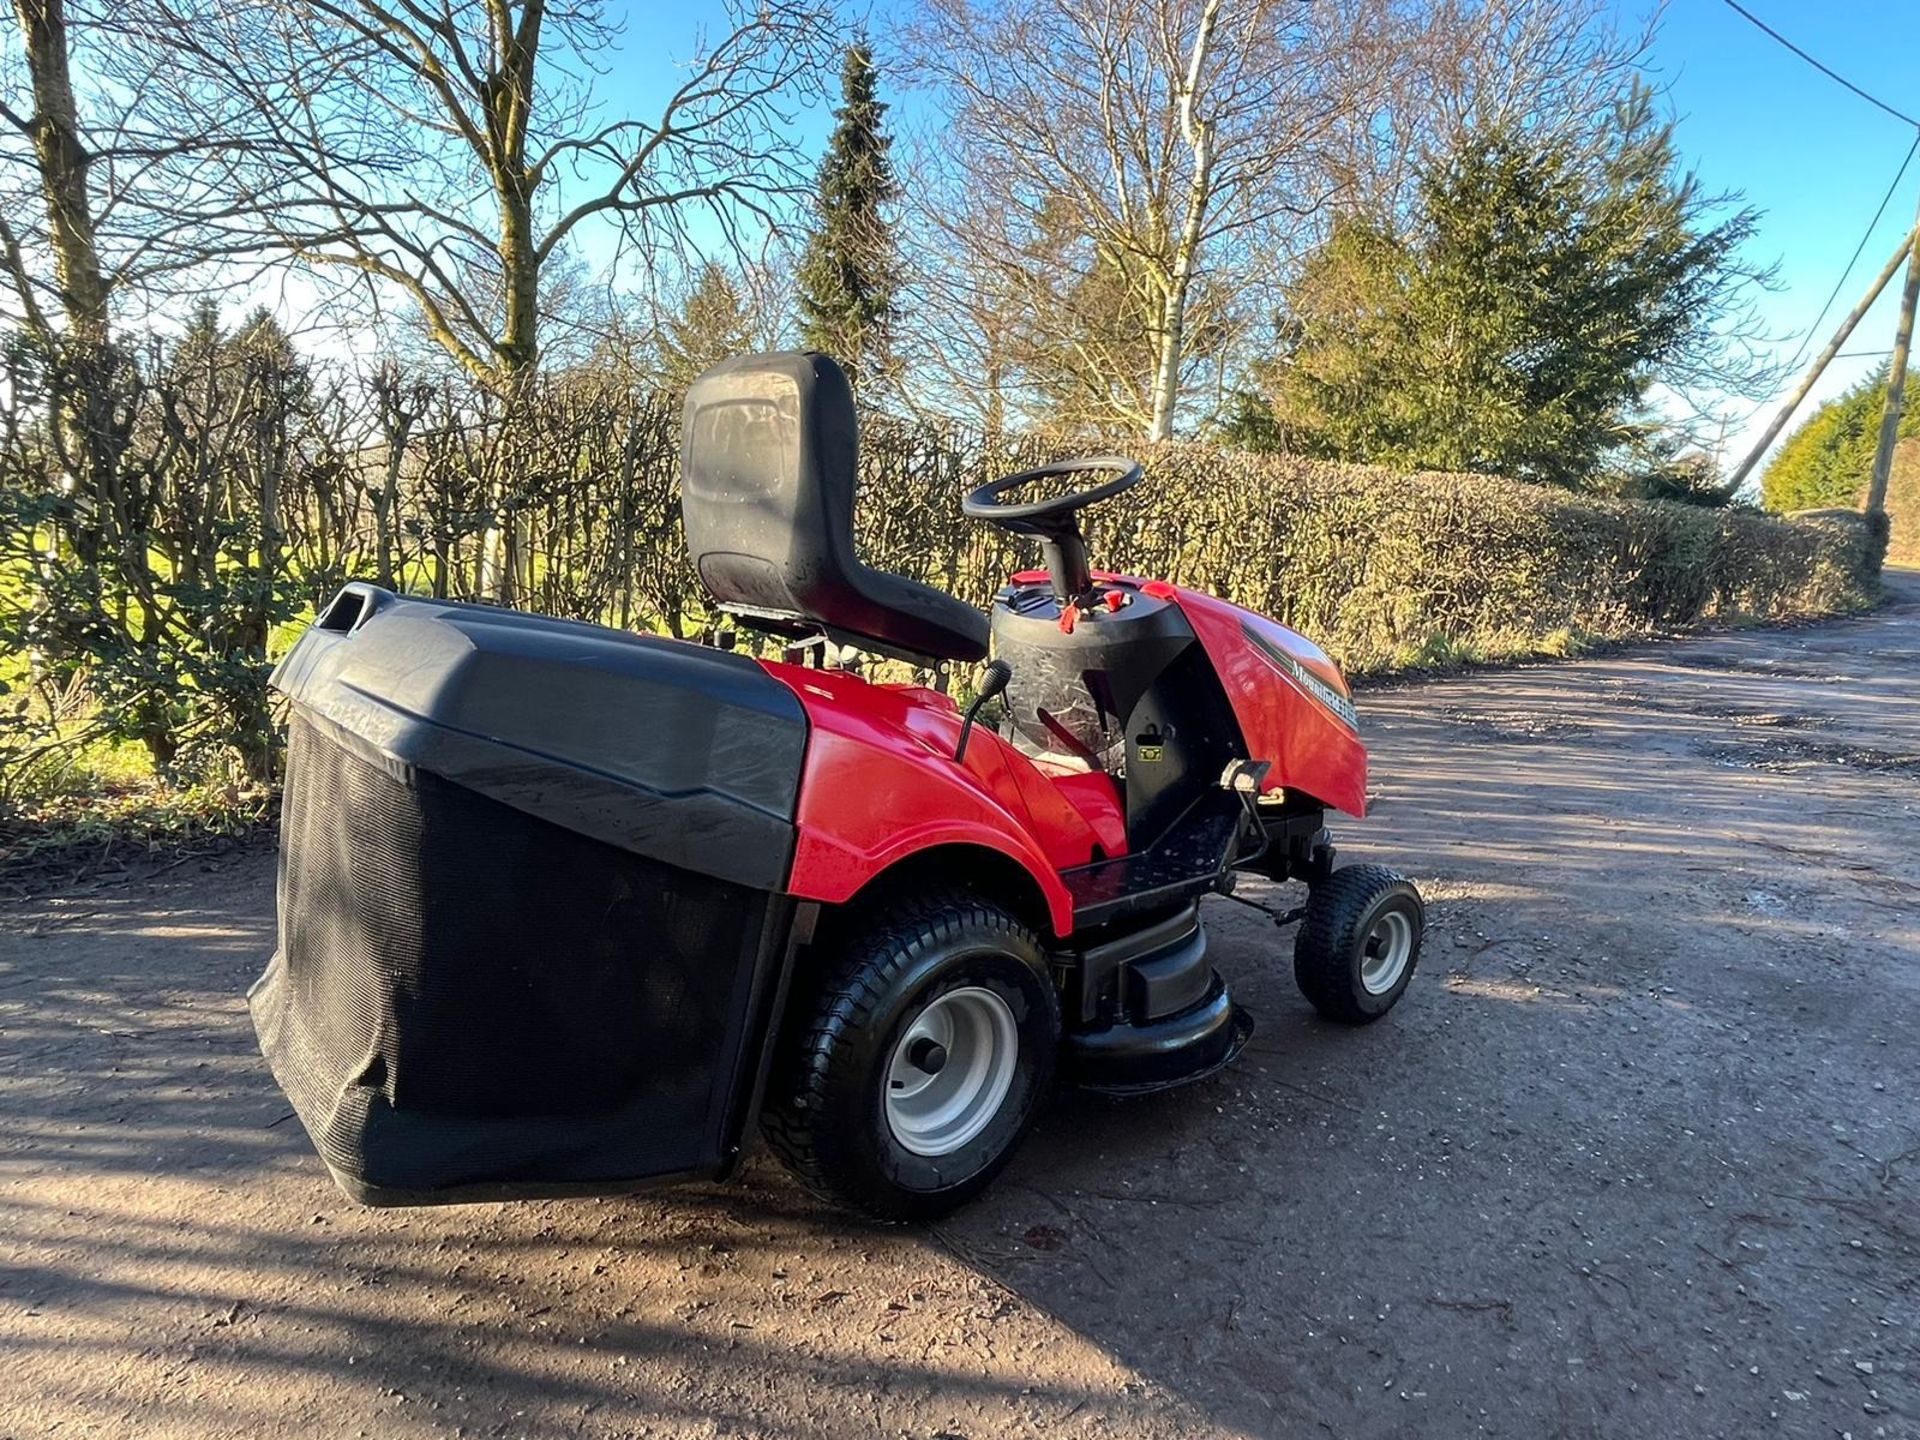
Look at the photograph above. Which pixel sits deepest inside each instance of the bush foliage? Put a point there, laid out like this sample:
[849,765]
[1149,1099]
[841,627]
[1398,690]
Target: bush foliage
[1517,320]
[564,499]
[1829,459]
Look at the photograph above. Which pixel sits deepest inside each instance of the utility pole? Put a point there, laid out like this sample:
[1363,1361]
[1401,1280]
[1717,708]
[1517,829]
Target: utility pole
[1906,250]
[1896,390]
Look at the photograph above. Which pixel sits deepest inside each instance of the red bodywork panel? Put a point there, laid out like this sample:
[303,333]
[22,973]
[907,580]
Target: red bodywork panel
[1287,695]
[880,784]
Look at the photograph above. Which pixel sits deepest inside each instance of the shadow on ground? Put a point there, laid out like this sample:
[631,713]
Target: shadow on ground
[1638,1152]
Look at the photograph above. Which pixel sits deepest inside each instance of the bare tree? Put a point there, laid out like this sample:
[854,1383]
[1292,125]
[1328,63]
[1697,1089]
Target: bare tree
[1455,68]
[123,179]
[60,161]
[1144,148]
[965,316]
[113,198]
[452,151]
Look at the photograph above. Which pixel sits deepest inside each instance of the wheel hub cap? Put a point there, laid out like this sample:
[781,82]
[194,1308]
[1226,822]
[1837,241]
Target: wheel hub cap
[1384,953]
[951,1070]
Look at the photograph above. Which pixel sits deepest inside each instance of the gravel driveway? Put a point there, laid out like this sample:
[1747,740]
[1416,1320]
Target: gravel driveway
[1639,1154]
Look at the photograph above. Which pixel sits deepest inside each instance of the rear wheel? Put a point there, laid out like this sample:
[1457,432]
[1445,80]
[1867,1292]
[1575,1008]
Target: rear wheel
[913,1068]
[1359,943]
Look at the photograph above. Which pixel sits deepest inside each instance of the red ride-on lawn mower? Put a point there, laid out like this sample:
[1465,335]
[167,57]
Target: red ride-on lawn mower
[565,909]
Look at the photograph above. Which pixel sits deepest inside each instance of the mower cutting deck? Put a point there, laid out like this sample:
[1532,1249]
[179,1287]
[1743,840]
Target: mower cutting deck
[566,910]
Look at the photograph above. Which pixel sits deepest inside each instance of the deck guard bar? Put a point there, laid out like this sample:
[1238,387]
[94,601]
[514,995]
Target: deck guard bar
[504,968]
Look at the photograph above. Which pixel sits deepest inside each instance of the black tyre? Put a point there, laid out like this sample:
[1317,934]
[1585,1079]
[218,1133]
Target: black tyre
[912,1068]
[1359,944]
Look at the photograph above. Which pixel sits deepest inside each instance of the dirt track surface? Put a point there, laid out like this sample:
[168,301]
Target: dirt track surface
[1638,1155]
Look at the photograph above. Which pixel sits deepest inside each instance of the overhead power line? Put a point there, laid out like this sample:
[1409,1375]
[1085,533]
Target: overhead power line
[1831,74]
[1792,366]
[1858,250]
[1773,430]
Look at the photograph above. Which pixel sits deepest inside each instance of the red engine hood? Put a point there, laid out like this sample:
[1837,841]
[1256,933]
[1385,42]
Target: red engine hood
[1293,704]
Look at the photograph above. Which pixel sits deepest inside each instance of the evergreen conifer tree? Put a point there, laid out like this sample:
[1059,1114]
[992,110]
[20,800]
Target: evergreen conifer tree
[712,326]
[850,273]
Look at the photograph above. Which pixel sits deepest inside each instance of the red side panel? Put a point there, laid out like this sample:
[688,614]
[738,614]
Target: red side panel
[880,784]
[1097,796]
[1290,699]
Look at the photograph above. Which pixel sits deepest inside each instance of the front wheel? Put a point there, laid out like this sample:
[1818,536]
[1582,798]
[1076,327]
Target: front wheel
[1359,943]
[911,1072]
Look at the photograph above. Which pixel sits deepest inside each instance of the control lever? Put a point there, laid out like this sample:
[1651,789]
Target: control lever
[991,684]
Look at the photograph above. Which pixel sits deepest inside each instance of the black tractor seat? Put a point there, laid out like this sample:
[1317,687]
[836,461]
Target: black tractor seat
[768,466]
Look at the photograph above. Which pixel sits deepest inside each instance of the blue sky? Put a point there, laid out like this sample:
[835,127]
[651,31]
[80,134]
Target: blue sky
[1754,118]
[1812,157]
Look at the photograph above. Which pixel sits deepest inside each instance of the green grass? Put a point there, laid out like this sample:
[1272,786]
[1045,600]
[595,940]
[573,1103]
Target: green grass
[1565,644]
[96,797]
[119,820]
[1438,650]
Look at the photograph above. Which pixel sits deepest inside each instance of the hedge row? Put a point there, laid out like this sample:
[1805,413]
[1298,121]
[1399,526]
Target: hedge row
[236,497]
[1384,569]
[1388,569]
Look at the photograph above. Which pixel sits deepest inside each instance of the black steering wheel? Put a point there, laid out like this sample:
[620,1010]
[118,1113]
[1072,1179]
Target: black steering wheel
[1051,518]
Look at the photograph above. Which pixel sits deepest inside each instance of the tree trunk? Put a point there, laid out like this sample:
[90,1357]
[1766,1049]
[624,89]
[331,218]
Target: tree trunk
[397,419]
[386,502]
[63,163]
[519,344]
[519,351]
[1166,369]
[508,93]
[1171,341]
[87,368]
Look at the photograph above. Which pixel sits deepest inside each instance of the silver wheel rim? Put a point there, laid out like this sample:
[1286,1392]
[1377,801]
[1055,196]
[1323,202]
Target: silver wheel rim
[936,1108]
[1384,953]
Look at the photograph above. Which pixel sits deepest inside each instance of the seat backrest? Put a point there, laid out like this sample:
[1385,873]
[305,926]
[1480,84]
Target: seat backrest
[768,465]
[769,456]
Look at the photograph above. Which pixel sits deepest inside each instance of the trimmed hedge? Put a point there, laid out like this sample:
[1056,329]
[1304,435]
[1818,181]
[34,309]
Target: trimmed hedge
[1903,504]
[1384,569]
[234,506]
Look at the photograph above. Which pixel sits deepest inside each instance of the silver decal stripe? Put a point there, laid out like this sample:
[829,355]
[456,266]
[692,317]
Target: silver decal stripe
[1293,670]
